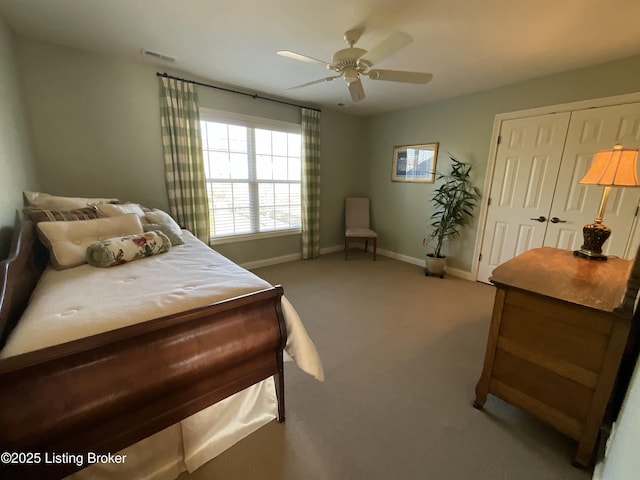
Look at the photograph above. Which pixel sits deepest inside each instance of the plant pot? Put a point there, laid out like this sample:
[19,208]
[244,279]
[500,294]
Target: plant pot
[435,266]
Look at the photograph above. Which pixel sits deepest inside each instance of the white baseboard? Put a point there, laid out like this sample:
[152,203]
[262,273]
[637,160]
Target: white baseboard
[287,258]
[271,261]
[401,257]
[420,262]
[338,248]
[456,272]
[335,248]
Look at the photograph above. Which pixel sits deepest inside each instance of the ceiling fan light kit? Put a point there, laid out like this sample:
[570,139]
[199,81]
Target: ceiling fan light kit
[352,62]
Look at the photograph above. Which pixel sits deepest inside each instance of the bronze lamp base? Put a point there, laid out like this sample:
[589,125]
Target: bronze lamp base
[595,234]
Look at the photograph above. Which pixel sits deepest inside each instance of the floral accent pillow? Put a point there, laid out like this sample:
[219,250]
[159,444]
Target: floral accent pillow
[119,250]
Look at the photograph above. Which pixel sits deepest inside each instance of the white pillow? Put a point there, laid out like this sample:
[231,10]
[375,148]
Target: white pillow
[54,202]
[113,210]
[155,215]
[68,241]
[159,216]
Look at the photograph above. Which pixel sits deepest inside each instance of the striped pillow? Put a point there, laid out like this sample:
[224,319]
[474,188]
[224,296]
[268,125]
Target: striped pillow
[43,215]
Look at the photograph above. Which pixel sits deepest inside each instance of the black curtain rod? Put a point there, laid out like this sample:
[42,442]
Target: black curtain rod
[252,95]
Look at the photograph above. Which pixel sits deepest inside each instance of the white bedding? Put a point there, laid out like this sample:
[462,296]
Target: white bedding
[87,300]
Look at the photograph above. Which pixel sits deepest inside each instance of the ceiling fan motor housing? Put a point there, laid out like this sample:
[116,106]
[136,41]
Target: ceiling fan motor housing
[346,58]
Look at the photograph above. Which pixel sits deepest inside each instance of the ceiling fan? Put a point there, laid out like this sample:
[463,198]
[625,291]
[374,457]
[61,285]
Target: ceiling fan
[350,63]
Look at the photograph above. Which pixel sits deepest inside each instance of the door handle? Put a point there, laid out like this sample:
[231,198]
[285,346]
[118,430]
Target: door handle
[557,220]
[540,219]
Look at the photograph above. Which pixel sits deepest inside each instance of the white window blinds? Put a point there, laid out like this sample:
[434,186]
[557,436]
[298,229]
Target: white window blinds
[253,170]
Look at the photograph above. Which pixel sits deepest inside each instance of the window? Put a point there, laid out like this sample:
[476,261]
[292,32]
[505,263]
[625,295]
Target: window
[253,169]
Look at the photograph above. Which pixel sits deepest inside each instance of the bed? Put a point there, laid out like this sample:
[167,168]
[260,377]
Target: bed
[181,357]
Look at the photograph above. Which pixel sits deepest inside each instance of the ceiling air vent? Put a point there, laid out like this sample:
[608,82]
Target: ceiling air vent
[157,56]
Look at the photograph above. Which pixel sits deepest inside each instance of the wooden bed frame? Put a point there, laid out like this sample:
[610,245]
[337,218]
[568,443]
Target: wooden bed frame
[151,375]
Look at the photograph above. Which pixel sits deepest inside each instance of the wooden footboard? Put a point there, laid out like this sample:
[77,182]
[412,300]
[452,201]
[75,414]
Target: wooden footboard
[105,392]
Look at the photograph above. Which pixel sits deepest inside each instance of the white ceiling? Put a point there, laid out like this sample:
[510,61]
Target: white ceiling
[468,45]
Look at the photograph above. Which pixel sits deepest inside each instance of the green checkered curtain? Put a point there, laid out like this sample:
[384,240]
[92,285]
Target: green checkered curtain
[310,183]
[183,159]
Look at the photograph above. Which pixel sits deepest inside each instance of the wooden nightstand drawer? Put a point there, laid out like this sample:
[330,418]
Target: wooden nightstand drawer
[561,333]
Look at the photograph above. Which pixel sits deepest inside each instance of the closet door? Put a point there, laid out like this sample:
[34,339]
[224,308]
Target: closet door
[526,168]
[575,205]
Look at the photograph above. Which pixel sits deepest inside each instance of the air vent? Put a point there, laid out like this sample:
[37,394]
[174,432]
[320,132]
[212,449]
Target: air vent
[157,56]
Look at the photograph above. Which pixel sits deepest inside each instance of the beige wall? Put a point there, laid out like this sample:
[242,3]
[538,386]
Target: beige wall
[463,127]
[17,170]
[96,124]
[97,133]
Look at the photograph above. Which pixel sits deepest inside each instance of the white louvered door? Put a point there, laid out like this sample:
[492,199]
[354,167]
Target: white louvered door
[575,205]
[526,168]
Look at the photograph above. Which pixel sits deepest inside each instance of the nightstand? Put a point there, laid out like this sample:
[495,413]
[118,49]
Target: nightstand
[557,337]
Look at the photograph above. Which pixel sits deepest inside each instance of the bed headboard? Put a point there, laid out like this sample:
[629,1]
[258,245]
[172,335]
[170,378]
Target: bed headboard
[19,274]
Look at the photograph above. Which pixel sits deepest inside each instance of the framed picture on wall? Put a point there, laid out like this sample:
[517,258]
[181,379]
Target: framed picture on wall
[414,163]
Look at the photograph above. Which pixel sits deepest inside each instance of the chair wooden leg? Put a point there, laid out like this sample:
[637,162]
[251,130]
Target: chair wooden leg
[346,247]
[375,246]
[366,245]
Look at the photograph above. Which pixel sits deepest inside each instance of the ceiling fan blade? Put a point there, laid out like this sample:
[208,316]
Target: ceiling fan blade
[399,76]
[356,90]
[387,47]
[302,58]
[320,80]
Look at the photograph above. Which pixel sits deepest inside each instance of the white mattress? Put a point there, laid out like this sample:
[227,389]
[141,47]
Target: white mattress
[87,300]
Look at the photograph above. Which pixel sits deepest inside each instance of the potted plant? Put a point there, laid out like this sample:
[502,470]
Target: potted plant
[453,202]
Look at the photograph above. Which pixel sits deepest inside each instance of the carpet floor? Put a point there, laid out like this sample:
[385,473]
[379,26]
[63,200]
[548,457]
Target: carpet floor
[402,354]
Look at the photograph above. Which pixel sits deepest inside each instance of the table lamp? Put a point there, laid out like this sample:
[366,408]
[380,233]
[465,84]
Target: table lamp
[610,168]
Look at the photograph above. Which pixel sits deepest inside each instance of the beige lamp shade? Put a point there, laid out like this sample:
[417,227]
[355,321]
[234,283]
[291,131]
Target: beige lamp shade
[610,168]
[615,167]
